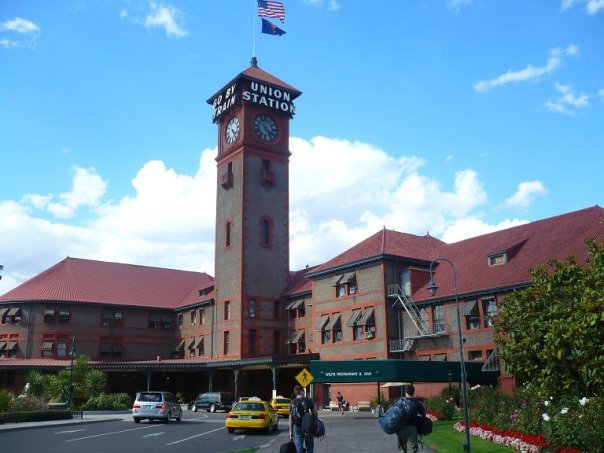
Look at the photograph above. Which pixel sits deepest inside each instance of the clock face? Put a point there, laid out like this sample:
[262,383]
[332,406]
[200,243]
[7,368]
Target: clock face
[232,130]
[265,127]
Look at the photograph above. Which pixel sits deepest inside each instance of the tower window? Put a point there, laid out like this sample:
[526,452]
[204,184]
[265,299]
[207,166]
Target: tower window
[252,308]
[227,234]
[265,232]
[226,341]
[227,309]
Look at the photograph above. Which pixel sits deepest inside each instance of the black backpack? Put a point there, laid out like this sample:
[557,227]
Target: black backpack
[300,407]
[424,425]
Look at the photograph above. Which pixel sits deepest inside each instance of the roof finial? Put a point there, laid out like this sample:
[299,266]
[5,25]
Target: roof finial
[254,62]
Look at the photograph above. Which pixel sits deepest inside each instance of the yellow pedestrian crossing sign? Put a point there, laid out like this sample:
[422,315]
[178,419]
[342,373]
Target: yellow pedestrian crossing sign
[304,377]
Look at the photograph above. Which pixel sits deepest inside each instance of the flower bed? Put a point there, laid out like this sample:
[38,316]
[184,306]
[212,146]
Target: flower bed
[525,443]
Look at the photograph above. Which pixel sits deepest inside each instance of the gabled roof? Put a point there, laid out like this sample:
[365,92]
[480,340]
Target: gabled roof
[384,243]
[298,283]
[89,281]
[526,246]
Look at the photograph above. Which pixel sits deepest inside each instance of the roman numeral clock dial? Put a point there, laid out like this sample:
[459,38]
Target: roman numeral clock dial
[232,130]
[265,127]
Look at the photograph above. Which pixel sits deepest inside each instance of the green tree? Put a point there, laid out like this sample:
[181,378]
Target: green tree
[87,382]
[552,332]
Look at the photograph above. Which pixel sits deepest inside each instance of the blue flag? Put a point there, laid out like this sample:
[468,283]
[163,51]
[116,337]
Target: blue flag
[270,29]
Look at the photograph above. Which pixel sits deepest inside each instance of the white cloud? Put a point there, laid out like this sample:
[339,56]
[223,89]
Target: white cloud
[167,17]
[471,226]
[567,101]
[526,194]
[530,72]
[340,193]
[601,93]
[456,5]
[27,33]
[331,5]
[591,6]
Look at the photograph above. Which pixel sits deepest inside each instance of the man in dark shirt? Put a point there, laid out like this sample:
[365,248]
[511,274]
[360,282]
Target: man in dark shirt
[407,435]
[296,431]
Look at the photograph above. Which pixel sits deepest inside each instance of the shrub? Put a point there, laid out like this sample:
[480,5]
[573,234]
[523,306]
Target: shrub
[441,404]
[490,406]
[28,403]
[5,400]
[108,402]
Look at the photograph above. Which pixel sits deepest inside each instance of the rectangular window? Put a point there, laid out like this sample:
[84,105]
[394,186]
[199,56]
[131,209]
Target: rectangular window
[201,347]
[358,333]
[301,310]
[489,310]
[227,309]
[500,258]
[423,319]
[252,341]
[47,348]
[277,342]
[153,320]
[49,314]
[111,318]
[193,317]
[438,318]
[252,308]
[276,309]
[180,319]
[406,282]
[227,234]
[202,315]
[340,290]
[470,311]
[62,349]
[326,336]
[166,321]
[474,355]
[225,343]
[64,314]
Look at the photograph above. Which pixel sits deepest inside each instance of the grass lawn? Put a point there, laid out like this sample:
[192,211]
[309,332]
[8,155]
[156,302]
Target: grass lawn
[444,439]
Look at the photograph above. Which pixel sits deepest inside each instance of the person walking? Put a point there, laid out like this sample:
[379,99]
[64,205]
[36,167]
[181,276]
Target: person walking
[340,399]
[407,434]
[301,405]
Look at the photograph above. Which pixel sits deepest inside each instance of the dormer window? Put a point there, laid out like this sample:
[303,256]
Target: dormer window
[497,259]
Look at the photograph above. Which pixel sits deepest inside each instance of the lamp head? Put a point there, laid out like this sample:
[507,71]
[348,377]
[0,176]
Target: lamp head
[432,287]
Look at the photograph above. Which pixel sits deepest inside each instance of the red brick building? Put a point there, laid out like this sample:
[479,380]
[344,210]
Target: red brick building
[253,326]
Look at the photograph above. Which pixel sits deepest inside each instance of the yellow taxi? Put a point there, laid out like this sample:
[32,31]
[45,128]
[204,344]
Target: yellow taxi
[281,405]
[252,413]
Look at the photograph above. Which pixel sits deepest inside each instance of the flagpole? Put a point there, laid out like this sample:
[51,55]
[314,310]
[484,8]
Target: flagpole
[254,3]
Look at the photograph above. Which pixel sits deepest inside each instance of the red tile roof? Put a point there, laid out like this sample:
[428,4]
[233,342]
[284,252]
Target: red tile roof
[298,282]
[526,245]
[386,242]
[89,281]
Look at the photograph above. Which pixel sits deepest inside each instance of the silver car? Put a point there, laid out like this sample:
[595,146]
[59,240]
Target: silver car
[156,406]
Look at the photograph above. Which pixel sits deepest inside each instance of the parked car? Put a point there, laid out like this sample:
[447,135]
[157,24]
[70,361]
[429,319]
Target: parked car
[156,406]
[281,405]
[252,414]
[213,401]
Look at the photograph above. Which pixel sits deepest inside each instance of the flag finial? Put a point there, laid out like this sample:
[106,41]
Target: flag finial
[254,62]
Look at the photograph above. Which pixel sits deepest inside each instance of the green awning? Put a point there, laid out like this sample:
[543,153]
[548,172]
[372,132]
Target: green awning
[356,314]
[468,307]
[352,371]
[439,357]
[492,363]
[367,317]
[323,322]
[332,323]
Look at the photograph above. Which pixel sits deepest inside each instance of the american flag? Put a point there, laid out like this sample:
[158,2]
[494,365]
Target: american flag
[271,9]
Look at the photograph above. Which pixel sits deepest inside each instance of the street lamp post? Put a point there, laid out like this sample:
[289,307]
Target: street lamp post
[432,288]
[72,353]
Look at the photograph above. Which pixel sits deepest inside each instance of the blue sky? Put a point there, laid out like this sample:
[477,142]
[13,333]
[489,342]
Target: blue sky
[456,117]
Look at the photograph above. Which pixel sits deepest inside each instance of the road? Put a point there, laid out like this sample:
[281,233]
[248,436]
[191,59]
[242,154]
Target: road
[198,432]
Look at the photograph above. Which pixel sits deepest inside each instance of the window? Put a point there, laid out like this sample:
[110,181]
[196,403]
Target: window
[202,315]
[64,314]
[201,347]
[346,285]
[179,349]
[358,332]
[227,309]
[470,311]
[191,347]
[406,282]
[474,355]
[47,347]
[153,320]
[110,347]
[322,327]
[225,343]
[438,319]
[227,234]
[180,319]
[277,309]
[489,310]
[497,259]
[252,308]
[340,290]
[193,317]
[335,327]
[277,342]
[423,319]
[252,341]
[166,321]
[62,348]
[367,323]
[49,314]
[266,164]
[112,318]
[11,315]
[265,231]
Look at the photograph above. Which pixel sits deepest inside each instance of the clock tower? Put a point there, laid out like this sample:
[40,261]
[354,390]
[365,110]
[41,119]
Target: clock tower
[252,213]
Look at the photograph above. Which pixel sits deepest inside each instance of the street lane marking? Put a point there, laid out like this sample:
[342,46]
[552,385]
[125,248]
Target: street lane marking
[70,431]
[153,434]
[109,434]
[193,437]
[241,436]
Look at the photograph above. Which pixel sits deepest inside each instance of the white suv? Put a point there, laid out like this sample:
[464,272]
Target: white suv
[156,406]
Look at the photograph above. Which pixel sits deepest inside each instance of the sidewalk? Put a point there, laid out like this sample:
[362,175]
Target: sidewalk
[88,417]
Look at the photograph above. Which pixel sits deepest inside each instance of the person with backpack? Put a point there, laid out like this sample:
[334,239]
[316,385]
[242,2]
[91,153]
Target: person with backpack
[407,433]
[301,407]
[341,403]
